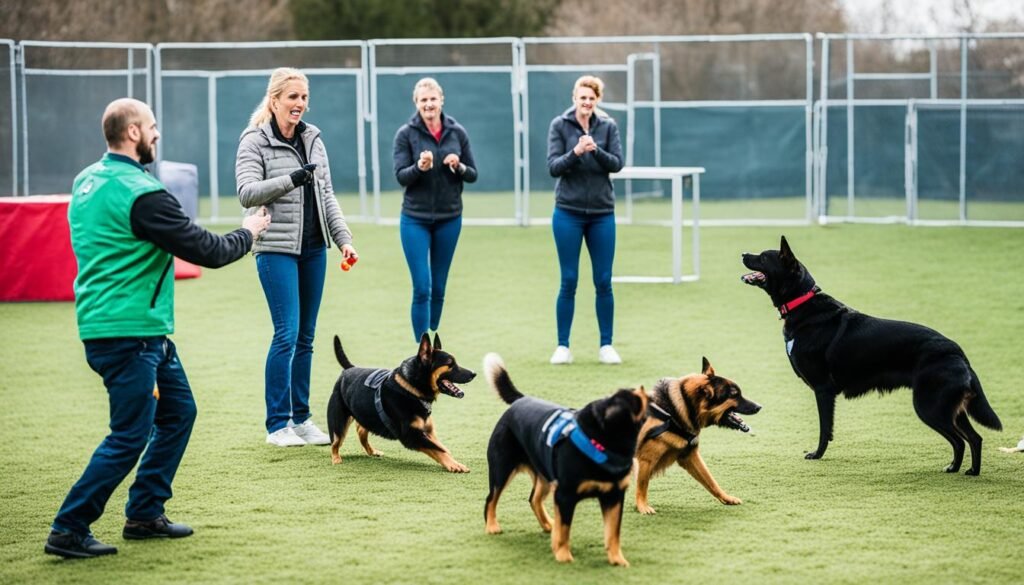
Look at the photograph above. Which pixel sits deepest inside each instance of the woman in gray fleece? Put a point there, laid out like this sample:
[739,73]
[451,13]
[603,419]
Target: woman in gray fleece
[282,164]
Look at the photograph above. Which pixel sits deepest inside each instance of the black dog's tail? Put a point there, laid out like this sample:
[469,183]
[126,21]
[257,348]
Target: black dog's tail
[340,354]
[979,408]
[497,377]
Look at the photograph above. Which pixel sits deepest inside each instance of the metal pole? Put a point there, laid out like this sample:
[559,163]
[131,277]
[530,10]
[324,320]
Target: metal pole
[677,228]
[823,138]
[362,115]
[517,151]
[211,105]
[374,154]
[808,129]
[849,128]
[24,119]
[963,129]
[696,226]
[14,118]
[525,128]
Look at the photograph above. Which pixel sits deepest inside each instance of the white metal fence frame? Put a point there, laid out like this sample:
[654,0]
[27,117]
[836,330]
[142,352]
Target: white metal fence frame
[12,59]
[816,130]
[213,76]
[913,105]
[130,71]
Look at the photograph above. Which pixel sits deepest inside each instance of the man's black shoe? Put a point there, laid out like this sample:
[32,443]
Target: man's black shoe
[73,546]
[160,527]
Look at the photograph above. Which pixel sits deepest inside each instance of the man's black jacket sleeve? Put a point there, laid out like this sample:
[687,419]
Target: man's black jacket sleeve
[158,217]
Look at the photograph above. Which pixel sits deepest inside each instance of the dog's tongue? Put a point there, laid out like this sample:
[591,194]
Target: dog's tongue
[451,389]
[753,278]
[736,420]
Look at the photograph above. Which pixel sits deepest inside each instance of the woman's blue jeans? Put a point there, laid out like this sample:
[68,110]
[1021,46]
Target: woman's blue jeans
[293,285]
[429,247]
[598,231]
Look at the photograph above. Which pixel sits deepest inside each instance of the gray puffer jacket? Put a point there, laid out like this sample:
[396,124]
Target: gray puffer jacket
[262,175]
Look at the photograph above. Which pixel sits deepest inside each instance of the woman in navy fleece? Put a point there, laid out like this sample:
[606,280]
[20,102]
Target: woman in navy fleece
[432,161]
[583,149]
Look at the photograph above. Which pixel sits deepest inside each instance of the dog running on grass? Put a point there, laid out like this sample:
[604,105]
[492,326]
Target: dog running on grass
[679,408]
[396,404]
[578,454]
[837,350]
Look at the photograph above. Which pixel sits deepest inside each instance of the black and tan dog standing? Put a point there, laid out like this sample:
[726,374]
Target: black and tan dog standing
[837,350]
[577,454]
[396,404]
[679,408]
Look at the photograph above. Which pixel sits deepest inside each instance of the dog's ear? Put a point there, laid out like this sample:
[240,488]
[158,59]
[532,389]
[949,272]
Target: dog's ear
[424,353]
[437,341]
[785,252]
[707,370]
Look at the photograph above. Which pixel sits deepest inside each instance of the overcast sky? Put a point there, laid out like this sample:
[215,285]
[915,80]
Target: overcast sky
[926,16]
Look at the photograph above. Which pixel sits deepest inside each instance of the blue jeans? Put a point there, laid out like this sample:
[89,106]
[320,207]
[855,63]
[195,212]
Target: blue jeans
[429,247]
[140,426]
[293,286]
[598,231]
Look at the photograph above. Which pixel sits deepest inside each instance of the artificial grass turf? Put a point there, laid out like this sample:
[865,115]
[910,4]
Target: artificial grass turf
[876,508]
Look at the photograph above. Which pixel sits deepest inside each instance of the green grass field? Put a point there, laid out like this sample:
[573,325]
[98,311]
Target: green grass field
[876,509]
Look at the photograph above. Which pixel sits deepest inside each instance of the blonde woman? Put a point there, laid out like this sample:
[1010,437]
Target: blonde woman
[432,162]
[583,149]
[282,164]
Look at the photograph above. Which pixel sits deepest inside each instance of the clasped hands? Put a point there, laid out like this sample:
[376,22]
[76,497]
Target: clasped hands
[585,144]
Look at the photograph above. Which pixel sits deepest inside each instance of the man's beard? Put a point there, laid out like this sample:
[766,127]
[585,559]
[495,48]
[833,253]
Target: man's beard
[145,152]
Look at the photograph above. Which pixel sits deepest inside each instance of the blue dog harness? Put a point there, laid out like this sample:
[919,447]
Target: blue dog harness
[562,424]
[376,381]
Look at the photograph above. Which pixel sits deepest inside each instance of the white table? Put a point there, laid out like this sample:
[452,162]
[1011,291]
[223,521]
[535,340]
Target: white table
[676,175]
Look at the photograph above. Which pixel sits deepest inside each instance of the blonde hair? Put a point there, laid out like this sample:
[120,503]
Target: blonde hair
[275,87]
[594,83]
[426,83]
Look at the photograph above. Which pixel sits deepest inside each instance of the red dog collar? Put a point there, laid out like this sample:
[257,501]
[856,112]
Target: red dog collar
[785,308]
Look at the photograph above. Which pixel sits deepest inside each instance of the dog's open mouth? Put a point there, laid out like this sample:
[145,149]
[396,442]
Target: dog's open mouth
[754,278]
[450,389]
[733,421]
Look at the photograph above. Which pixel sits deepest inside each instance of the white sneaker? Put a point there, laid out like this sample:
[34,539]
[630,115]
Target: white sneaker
[562,355]
[311,434]
[608,355]
[285,437]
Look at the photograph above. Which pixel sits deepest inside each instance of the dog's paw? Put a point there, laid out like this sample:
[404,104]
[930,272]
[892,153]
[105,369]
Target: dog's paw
[493,528]
[456,467]
[335,459]
[972,471]
[645,509]
[618,560]
[730,500]
[952,468]
[812,455]
[563,555]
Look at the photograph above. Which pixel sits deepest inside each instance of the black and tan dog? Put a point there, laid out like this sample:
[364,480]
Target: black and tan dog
[396,404]
[837,350]
[578,454]
[679,408]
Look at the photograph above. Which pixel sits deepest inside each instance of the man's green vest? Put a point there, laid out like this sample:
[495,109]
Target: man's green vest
[125,286]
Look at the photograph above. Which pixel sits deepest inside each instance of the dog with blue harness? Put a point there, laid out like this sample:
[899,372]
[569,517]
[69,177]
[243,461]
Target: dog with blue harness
[577,454]
[396,404]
